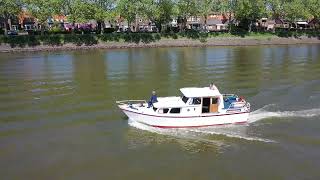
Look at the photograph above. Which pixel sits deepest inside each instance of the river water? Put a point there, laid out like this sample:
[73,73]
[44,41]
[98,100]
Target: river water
[59,120]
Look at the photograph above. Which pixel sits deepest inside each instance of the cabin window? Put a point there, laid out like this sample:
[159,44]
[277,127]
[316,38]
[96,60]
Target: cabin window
[163,111]
[185,99]
[175,110]
[196,101]
[214,101]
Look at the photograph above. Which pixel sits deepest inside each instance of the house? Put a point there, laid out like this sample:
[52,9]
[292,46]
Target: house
[283,24]
[122,25]
[216,22]
[314,23]
[194,23]
[145,25]
[27,21]
[12,23]
[267,24]
[174,23]
[302,24]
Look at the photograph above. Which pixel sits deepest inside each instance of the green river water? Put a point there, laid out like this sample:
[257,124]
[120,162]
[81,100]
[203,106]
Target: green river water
[59,120]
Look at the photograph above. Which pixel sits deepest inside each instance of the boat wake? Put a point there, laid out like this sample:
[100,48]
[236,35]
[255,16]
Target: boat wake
[263,113]
[230,131]
[178,133]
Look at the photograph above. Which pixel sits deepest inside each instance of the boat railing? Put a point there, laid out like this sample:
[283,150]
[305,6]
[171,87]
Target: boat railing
[128,102]
[232,105]
[229,95]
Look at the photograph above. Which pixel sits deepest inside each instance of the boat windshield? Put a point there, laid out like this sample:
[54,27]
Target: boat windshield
[184,99]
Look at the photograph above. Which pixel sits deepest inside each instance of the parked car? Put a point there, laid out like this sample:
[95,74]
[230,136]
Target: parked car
[12,33]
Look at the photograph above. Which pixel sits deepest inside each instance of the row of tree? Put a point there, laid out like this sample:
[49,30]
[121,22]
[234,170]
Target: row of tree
[160,11]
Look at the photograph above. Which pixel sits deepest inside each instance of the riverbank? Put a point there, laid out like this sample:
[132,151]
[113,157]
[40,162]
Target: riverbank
[164,42]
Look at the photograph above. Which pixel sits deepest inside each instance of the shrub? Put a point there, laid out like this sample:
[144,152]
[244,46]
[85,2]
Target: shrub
[1,31]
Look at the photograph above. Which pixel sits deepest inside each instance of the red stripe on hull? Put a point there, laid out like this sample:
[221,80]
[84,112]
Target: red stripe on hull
[168,127]
[182,116]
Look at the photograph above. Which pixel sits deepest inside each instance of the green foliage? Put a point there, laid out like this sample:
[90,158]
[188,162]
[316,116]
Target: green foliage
[187,8]
[10,7]
[161,12]
[295,10]
[275,8]
[313,7]
[43,9]
[8,10]
[248,11]
[128,9]
[205,7]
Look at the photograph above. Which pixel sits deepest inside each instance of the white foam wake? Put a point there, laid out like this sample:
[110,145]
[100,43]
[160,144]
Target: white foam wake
[263,114]
[231,131]
[178,133]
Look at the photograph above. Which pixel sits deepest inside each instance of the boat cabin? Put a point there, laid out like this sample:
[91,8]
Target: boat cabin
[194,101]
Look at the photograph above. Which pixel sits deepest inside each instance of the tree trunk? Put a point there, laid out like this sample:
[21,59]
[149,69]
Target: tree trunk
[10,24]
[98,28]
[205,23]
[5,27]
[73,27]
[129,24]
[250,26]
[102,27]
[6,20]
[42,28]
[230,23]
[136,24]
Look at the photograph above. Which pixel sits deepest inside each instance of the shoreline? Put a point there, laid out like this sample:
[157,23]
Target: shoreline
[181,42]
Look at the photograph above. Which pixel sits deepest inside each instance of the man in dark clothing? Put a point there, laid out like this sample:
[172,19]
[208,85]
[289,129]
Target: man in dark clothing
[153,99]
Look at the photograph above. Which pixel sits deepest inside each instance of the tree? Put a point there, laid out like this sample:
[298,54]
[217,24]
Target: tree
[43,9]
[276,8]
[8,10]
[103,10]
[313,7]
[295,10]
[249,11]
[71,9]
[128,9]
[164,12]
[158,11]
[186,8]
[205,8]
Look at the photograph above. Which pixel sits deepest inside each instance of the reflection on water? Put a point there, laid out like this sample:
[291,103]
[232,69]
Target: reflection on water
[58,117]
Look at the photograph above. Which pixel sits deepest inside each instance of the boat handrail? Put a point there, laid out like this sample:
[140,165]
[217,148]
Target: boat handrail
[231,106]
[229,95]
[123,102]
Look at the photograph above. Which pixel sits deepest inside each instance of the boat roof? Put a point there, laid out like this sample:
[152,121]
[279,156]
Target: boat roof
[199,92]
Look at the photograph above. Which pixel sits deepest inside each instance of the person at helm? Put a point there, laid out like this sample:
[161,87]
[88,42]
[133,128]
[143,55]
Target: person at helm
[153,99]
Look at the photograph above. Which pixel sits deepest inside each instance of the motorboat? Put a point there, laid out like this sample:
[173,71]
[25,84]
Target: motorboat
[196,107]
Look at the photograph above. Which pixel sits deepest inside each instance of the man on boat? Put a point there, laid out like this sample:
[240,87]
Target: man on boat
[153,99]
[213,87]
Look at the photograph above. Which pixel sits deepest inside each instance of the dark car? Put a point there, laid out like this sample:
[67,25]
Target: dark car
[12,33]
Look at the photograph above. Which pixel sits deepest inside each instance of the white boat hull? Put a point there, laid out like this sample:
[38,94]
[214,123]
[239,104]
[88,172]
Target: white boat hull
[203,120]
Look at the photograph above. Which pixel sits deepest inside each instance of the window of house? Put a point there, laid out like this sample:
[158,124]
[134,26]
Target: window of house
[175,110]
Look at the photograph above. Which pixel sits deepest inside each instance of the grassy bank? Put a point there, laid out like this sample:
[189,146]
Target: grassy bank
[145,38]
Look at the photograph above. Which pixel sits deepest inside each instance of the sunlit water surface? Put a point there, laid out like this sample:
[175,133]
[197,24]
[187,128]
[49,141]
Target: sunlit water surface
[59,120]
